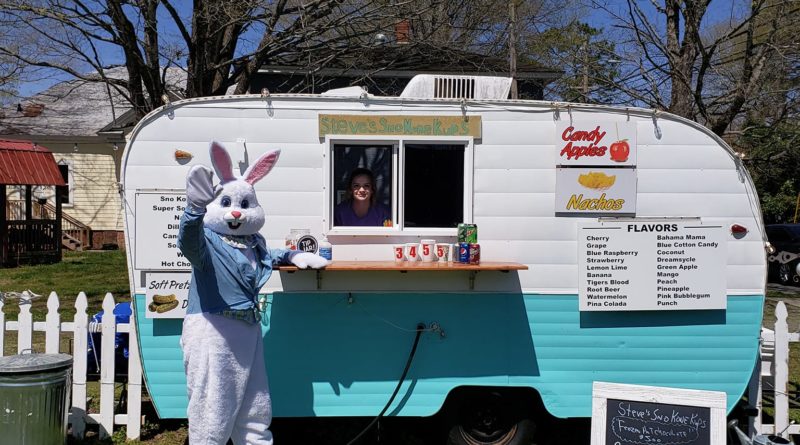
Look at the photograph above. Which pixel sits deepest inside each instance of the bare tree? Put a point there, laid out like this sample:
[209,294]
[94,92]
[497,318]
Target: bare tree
[679,59]
[218,43]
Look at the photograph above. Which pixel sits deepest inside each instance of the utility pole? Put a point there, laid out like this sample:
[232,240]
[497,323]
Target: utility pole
[512,47]
[586,71]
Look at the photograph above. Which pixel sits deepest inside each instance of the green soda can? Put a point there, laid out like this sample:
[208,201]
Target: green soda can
[467,233]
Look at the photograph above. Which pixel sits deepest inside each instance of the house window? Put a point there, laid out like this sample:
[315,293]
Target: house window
[417,185]
[66,174]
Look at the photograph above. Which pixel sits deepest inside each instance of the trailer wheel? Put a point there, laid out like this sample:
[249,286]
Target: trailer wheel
[489,419]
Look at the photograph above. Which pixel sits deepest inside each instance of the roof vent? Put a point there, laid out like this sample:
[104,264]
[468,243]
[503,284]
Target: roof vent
[432,86]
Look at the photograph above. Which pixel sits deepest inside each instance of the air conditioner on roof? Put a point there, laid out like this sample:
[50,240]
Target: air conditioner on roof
[432,86]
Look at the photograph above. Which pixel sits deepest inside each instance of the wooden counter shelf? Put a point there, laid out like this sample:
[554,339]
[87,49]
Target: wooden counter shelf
[404,267]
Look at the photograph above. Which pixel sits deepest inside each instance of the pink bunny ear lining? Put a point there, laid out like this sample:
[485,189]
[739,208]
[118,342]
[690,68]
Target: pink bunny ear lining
[221,161]
[262,167]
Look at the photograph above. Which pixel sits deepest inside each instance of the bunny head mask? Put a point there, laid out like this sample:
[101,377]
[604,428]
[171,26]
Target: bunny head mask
[236,210]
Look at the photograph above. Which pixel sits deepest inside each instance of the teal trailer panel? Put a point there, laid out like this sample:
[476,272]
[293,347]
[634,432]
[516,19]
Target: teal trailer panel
[340,354]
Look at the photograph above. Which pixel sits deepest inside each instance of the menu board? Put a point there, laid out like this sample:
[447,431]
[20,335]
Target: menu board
[652,265]
[641,423]
[166,294]
[625,414]
[158,215]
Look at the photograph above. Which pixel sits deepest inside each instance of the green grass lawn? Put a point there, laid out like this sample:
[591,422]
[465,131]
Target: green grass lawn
[94,273]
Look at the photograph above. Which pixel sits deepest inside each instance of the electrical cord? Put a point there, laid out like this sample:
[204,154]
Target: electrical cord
[420,330]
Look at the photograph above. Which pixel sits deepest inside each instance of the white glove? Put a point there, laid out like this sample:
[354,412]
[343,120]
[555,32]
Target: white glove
[199,190]
[305,260]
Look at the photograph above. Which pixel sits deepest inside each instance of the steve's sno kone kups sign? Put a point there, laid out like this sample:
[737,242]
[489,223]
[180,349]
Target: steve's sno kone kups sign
[596,143]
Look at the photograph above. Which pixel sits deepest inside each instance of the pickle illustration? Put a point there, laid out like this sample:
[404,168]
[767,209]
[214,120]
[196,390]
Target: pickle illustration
[161,299]
[161,308]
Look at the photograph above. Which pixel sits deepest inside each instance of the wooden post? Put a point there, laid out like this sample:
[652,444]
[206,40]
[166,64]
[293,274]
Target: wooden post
[3,227]
[134,429]
[28,203]
[781,369]
[57,230]
[107,373]
[80,333]
[52,325]
[25,324]
[512,47]
[29,234]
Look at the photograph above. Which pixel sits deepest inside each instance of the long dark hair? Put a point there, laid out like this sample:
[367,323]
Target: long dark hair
[361,171]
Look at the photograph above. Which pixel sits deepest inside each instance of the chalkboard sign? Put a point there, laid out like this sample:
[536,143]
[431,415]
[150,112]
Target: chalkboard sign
[649,415]
[642,423]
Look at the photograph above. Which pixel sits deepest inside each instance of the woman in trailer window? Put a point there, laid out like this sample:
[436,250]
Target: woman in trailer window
[361,207]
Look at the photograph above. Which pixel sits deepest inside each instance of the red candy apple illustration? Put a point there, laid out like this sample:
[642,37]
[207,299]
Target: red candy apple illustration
[620,150]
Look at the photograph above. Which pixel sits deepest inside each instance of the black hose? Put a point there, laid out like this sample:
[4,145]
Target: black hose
[420,330]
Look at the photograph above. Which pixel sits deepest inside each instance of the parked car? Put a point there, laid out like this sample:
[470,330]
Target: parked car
[783,264]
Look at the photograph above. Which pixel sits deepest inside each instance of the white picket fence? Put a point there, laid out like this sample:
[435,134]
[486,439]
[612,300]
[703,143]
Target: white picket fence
[773,375]
[78,329]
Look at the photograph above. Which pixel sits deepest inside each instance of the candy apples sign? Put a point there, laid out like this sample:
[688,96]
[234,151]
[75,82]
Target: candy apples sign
[596,143]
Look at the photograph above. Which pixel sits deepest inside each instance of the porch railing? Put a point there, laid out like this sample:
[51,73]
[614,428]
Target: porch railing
[15,211]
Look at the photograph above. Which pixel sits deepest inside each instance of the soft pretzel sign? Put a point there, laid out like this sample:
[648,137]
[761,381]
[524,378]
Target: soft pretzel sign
[595,143]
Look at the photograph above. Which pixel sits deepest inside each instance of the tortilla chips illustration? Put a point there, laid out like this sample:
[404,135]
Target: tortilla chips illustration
[597,180]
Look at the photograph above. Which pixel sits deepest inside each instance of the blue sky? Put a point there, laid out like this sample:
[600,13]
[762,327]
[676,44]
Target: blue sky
[719,10]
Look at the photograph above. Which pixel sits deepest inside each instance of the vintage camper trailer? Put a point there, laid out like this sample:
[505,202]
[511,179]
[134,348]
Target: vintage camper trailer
[617,244]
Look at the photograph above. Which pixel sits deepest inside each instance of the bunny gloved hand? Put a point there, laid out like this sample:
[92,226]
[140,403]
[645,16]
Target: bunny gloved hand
[304,260]
[199,190]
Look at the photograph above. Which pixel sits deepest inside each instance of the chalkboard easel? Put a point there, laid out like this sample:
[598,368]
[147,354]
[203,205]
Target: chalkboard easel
[649,415]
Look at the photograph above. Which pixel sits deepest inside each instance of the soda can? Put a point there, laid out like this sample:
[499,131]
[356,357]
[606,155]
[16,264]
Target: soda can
[463,252]
[474,253]
[467,233]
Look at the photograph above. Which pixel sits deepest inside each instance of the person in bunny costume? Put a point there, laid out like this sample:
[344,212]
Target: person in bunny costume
[222,340]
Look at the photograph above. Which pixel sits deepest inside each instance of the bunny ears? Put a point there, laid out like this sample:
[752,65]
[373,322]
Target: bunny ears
[224,168]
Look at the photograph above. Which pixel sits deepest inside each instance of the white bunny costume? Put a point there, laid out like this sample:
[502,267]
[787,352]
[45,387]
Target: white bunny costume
[222,340]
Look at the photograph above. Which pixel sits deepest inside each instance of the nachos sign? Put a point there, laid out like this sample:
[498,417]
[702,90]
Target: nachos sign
[596,143]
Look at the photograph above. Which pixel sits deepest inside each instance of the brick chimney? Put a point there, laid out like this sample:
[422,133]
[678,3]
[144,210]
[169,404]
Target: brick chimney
[402,32]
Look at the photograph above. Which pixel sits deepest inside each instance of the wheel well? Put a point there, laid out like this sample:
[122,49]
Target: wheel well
[523,400]
[524,403]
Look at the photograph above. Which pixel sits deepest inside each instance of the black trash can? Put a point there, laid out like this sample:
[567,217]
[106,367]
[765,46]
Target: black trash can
[34,398]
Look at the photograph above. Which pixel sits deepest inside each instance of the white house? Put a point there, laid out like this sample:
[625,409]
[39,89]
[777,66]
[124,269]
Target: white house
[84,124]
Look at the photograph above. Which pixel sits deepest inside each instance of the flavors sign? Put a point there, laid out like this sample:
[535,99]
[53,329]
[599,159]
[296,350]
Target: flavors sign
[596,143]
[596,190]
[651,266]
